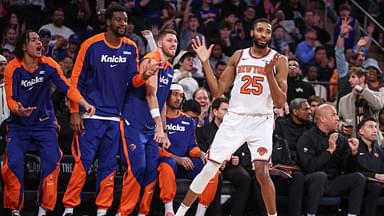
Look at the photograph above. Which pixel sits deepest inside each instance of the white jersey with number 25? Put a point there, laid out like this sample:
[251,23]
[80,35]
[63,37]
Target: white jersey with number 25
[251,93]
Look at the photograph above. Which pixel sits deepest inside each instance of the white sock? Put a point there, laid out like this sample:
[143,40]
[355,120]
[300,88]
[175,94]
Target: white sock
[68,211]
[140,214]
[101,212]
[42,211]
[182,210]
[201,209]
[311,214]
[351,214]
[169,207]
[118,214]
[272,214]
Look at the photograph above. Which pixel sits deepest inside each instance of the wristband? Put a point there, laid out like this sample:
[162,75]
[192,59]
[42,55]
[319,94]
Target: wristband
[155,112]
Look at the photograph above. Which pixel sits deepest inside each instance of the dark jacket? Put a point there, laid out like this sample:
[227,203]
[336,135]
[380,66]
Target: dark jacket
[312,154]
[368,163]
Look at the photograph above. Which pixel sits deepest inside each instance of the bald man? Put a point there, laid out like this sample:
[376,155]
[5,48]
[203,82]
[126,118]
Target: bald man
[323,154]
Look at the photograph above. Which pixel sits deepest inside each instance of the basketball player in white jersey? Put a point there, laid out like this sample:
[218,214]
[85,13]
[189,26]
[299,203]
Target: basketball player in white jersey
[259,78]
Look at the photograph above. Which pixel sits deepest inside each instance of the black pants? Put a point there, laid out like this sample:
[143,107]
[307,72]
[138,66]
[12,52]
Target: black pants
[372,193]
[294,188]
[317,185]
[241,180]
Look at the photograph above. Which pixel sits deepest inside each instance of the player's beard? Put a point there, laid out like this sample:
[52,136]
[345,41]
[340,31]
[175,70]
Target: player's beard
[174,106]
[259,45]
[117,33]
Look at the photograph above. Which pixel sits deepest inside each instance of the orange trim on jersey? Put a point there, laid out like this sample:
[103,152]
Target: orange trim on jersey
[30,69]
[178,114]
[104,198]
[71,197]
[8,81]
[145,204]
[164,153]
[209,192]
[137,81]
[79,63]
[157,56]
[12,187]
[72,93]
[167,182]
[250,54]
[195,152]
[130,191]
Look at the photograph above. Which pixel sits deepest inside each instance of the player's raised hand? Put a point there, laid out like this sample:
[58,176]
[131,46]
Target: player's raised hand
[201,50]
[268,68]
[151,67]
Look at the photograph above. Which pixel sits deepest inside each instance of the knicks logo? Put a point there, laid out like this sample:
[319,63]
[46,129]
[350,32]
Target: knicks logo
[262,151]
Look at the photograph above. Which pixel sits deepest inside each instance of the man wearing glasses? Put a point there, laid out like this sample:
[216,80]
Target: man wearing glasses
[297,88]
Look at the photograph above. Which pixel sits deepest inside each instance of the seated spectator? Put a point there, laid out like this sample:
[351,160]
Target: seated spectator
[370,162]
[4,111]
[219,68]
[249,16]
[311,76]
[278,41]
[57,27]
[183,65]
[315,101]
[292,33]
[62,48]
[360,103]
[217,55]
[202,96]
[296,87]
[322,155]
[45,37]
[189,30]
[311,20]
[9,39]
[290,129]
[324,64]
[208,14]
[183,159]
[374,75]
[305,50]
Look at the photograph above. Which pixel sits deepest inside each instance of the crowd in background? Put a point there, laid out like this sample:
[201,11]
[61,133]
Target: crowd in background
[330,61]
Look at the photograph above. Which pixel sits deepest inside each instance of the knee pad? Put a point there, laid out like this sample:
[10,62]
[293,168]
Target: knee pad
[207,173]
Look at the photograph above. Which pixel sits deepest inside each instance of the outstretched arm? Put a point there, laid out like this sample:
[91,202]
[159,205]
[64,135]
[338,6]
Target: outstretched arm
[217,87]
